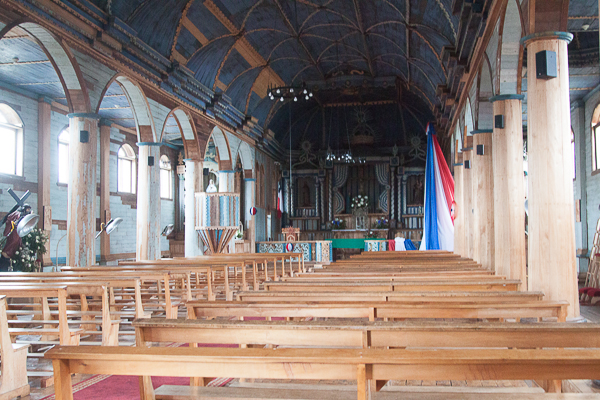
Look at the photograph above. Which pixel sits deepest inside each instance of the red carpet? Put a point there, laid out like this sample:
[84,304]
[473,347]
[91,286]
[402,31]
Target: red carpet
[117,387]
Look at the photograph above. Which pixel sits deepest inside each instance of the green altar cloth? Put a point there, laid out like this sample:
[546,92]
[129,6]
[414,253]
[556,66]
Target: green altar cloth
[348,243]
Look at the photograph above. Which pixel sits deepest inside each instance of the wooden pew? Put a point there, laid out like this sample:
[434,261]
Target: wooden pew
[415,286]
[373,310]
[361,365]
[480,297]
[66,336]
[13,382]
[362,335]
[113,281]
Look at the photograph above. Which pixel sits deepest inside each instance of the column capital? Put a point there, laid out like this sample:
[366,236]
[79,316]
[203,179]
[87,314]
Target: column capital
[478,131]
[139,144]
[45,99]
[105,122]
[566,36]
[503,97]
[84,115]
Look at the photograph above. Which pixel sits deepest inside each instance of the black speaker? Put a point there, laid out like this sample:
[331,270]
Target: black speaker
[205,171]
[499,121]
[467,164]
[84,136]
[480,150]
[545,65]
[150,161]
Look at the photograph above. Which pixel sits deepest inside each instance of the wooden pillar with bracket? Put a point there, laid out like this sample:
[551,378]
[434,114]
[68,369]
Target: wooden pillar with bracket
[104,186]
[44,167]
[470,242]
[509,191]
[551,247]
[459,208]
[148,202]
[484,196]
[81,214]
[193,184]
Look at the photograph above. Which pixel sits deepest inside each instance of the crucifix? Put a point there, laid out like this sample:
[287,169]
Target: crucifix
[20,203]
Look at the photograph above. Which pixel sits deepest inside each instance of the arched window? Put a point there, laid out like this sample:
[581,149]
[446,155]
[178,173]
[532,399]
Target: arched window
[166,183]
[126,179]
[574,154]
[595,139]
[63,156]
[11,137]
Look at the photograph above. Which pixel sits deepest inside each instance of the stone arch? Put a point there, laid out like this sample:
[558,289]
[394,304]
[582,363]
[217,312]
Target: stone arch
[63,62]
[187,128]
[140,108]
[223,150]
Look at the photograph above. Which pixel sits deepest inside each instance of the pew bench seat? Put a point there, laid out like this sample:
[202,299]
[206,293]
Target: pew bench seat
[178,392]
[362,365]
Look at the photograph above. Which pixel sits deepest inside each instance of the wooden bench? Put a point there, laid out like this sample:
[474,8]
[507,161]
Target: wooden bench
[375,286]
[361,365]
[373,310]
[480,297]
[365,334]
[170,392]
[13,381]
[66,336]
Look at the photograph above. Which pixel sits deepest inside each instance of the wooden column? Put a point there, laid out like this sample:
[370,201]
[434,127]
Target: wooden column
[459,209]
[44,167]
[226,181]
[250,196]
[81,214]
[469,216]
[484,196]
[551,258]
[104,186]
[509,192]
[193,184]
[148,202]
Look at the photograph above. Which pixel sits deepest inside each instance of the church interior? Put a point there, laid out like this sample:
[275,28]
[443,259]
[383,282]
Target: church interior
[299,199]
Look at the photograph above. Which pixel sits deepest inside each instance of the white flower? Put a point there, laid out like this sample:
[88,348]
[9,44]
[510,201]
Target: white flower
[17,252]
[359,196]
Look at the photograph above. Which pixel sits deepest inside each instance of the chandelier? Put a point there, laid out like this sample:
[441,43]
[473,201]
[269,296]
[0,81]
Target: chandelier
[289,92]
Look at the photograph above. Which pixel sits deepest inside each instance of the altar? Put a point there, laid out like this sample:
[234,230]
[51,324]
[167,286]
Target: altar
[319,251]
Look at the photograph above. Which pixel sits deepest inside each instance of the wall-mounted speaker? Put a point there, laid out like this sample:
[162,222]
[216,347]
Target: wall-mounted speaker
[467,164]
[205,171]
[499,121]
[84,136]
[285,173]
[150,161]
[480,150]
[545,65]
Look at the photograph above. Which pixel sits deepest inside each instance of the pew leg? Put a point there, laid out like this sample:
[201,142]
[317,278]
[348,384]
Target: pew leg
[62,380]
[362,382]
[146,388]
[550,386]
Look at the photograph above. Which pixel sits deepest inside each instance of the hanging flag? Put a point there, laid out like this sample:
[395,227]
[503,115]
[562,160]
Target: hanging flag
[438,229]
[279,200]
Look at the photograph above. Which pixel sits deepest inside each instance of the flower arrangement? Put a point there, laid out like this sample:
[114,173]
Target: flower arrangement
[370,235]
[28,257]
[338,224]
[382,223]
[360,201]
[239,235]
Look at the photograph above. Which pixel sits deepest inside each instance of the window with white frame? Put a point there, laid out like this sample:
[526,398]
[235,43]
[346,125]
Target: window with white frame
[11,138]
[126,171]
[63,157]
[595,139]
[166,182]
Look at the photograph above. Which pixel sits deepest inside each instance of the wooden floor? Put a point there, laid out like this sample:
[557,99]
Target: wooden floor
[591,313]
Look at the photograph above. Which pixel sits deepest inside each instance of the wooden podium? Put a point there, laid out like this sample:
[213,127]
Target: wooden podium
[217,219]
